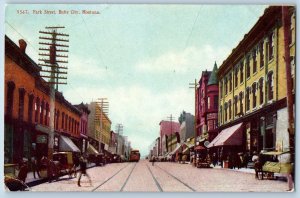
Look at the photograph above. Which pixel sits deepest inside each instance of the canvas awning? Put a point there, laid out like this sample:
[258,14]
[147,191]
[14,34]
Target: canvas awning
[231,136]
[66,144]
[92,150]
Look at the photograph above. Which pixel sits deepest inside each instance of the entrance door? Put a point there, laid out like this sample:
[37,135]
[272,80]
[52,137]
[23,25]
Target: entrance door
[269,139]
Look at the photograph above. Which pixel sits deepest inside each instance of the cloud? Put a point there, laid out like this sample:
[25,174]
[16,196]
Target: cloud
[183,61]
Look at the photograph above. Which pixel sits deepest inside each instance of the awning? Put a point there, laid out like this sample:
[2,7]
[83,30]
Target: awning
[92,150]
[228,137]
[66,144]
[176,149]
[199,148]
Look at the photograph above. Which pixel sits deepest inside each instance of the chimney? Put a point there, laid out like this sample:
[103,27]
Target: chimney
[23,45]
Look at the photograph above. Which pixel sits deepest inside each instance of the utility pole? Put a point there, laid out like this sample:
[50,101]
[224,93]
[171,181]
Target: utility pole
[195,86]
[119,129]
[171,118]
[55,71]
[103,107]
[290,100]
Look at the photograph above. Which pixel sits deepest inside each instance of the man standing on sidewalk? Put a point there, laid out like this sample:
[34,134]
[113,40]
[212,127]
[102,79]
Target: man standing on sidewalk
[35,167]
[83,166]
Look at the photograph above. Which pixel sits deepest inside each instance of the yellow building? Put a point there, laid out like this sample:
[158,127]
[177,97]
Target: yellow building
[252,87]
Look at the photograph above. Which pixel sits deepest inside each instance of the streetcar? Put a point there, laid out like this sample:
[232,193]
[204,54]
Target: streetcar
[134,156]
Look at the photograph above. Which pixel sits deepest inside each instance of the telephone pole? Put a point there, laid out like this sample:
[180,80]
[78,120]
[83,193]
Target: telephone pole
[52,71]
[195,86]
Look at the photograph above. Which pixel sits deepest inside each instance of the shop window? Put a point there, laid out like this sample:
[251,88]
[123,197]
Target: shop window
[21,103]
[30,107]
[254,87]
[261,91]
[10,97]
[248,67]
[261,54]
[270,86]
[254,61]
[271,45]
[241,73]
[247,99]
[37,110]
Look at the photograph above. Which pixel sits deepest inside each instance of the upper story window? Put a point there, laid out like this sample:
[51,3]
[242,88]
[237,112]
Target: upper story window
[66,123]
[230,82]
[241,97]
[248,66]
[36,109]
[270,86]
[254,61]
[261,91]
[236,72]
[261,54]
[208,102]
[254,87]
[271,45]
[235,103]
[221,114]
[57,119]
[62,120]
[221,89]
[241,72]
[216,101]
[226,85]
[225,111]
[21,103]
[42,112]
[30,107]
[229,108]
[10,97]
[248,99]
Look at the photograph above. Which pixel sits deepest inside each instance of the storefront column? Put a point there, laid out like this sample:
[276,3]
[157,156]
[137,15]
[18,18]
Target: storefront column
[274,130]
[263,131]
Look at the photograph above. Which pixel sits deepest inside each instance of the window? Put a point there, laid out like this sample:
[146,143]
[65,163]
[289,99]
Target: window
[62,120]
[271,45]
[208,102]
[248,99]
[254,87]
[241,73]
[236,72]
[292,28]
[241,96]
[221,89]
[230,82]
[30,107]
[229,107]
[72,127]
[36,109]
[10,98]
[248,66]
[254,61]
[42,112]
[226,87]
[261,91]
[216,98]
[66,123]
[225,111]
[235,101]
[70,122]
[221,113]
[47,112]
[270,86]
[57,119]
[261,54]
[21,103]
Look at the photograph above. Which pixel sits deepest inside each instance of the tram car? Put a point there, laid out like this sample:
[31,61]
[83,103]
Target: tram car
[134,156]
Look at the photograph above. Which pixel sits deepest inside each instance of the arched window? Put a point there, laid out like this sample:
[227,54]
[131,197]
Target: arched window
[62,120]
[10,97]
[248,66]
[30,107]
[221,113]
[254,61]
[42,112]
[57,119]
[230,82]
[66,123]
[241,72]
[271,45]
[261,54]
[270,86]
[236,72]
[229,108]
[254,87]
[225,111]
[37,110]
[47,115]
[235,101]
[241,97]
[21,103]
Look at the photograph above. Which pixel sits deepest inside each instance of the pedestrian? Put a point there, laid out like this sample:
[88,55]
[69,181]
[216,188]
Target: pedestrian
[257,164]
[83,166]
[23,170]
[153,160]
[35,167]
[76,164]
[214,159]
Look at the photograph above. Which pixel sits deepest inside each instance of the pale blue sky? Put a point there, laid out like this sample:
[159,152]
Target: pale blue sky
[141,57]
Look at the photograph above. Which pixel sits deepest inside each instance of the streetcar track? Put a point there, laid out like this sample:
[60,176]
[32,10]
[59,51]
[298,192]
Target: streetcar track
[128,177]
[109,178]
[156,182]
[177,179]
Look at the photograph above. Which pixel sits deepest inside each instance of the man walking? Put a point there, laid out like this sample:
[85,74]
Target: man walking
[153,160]
[83,164]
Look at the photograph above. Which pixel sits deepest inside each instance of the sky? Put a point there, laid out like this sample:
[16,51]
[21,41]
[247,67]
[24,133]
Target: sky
[141,57]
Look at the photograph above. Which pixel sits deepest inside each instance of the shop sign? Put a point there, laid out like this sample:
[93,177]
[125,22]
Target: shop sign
[41,139]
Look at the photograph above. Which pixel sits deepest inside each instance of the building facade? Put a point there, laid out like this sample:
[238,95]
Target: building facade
[252,84]
[187,126]
[27,110]
[83,126]
[167,129]
[207,105]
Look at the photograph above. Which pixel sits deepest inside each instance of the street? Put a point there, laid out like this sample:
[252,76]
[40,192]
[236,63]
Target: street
[163,177]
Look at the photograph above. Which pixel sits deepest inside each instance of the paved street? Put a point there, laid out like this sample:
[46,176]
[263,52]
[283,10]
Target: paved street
[163,177]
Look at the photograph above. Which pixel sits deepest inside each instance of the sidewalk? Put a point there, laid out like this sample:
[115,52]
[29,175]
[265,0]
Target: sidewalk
[31,181]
